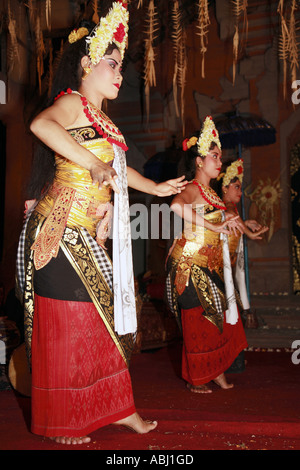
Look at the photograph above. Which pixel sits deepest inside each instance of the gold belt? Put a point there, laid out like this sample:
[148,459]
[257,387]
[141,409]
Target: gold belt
[206,255]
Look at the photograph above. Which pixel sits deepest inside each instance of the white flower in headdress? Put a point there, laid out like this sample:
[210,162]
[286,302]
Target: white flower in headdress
[208,135]
[113,28]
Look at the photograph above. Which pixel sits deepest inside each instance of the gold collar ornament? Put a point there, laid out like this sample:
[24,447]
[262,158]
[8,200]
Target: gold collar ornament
[113,28]
[208,135]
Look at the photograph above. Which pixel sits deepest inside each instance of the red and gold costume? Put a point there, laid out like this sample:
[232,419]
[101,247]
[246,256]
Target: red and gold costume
[80,378]
[196,294]
[80,315]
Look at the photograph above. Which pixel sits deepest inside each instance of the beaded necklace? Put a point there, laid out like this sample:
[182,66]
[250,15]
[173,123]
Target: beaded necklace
[105,127]
[210,196]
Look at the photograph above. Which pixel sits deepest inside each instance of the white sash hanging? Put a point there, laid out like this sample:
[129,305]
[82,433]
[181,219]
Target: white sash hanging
[232,311]
[240,275]
[123,277]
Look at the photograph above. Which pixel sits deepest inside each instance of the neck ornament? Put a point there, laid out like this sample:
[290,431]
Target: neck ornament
[209,195]
[98,119]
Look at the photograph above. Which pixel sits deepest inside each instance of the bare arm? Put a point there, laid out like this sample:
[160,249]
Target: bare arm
[250,234]
[141,183]
[182,206]
[50,127]
[253,235]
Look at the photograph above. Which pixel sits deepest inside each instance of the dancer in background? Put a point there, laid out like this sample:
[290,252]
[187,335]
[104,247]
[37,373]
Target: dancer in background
[80,316]
[229,188]
[200,295]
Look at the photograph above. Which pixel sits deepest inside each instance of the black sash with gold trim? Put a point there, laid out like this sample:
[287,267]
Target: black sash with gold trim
[93,266]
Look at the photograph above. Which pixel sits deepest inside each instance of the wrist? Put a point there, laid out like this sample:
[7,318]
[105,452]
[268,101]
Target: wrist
[153,189]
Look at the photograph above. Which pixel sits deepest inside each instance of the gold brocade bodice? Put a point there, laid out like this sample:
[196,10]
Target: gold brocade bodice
[233,239]
[199,244]
[87,197]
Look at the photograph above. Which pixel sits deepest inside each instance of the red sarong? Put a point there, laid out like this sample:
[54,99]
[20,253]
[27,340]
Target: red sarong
[80,382]
[208,353]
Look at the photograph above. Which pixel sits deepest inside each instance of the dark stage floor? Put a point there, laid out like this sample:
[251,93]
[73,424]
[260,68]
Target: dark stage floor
[261,412]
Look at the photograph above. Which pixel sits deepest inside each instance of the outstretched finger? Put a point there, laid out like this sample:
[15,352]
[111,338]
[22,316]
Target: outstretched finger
[112,182]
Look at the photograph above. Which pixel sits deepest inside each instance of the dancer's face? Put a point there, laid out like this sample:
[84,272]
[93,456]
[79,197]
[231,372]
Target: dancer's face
[106,77]
[212,163]
[233,192]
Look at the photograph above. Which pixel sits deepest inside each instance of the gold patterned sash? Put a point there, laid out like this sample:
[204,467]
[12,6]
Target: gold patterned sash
[47,242]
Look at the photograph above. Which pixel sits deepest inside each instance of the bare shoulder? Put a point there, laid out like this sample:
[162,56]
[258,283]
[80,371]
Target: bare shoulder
[68,102]
[67,110]
[189,195]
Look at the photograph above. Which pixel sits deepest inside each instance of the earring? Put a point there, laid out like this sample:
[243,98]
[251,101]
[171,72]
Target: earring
[200,165]
[86,72]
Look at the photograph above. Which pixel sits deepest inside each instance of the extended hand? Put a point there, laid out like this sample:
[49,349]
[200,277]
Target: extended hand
[170,187]
[257,235]
[253,225]
[228,226]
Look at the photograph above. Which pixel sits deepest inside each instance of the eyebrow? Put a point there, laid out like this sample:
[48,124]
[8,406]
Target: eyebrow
[115,61]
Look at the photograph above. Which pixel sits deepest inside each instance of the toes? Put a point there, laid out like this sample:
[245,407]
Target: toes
[71,440]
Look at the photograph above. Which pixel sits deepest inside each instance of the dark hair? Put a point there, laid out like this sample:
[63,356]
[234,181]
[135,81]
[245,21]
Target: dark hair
[68,75]
[190,160]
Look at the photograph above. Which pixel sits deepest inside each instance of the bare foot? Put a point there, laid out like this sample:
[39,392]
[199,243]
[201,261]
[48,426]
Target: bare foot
[137,424]
[71,440]
[199,388]
[222,382]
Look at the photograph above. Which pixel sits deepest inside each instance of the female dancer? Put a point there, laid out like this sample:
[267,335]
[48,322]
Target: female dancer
[200,295]
[80,316]
[231,179]
[229,187]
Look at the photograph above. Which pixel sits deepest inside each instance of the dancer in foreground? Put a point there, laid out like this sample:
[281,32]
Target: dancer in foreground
[80,315]
[200,291]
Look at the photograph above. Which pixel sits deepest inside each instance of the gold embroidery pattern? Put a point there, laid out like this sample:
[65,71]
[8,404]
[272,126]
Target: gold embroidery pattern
[200,280]
[214,256]
[77,251]
[205,295]
[33,228]
[198,260]
[47,242]
[70,236]
[183,275]
[174,292]
[83,133]
[79,254]
[87,197]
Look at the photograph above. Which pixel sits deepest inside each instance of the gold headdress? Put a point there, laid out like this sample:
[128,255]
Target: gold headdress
[77,34]
[111,28]
[208,135]
[235,170]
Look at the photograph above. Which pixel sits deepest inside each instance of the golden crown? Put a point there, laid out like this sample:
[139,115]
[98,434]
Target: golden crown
[113,28]
[208,135]
[235,170]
